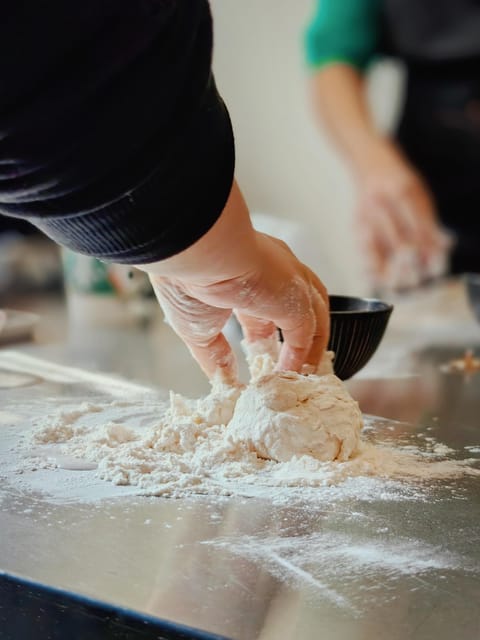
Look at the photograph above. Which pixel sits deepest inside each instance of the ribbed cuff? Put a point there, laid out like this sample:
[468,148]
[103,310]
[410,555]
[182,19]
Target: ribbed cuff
[172,208]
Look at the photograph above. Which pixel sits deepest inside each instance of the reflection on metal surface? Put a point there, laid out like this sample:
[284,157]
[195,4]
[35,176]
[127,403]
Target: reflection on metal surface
[20,364]
[468,364]
[16,326]
[12,380]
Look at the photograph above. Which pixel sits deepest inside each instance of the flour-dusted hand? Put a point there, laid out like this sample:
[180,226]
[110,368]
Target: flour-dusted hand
[276,291]
[235,269]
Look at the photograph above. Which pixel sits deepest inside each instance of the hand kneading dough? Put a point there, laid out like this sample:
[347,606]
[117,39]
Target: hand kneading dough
[283,415]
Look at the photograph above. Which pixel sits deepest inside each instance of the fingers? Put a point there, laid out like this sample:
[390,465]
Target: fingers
[292,313]
[390,231]
[401,238]
[374,256]
[401,215]
[304,341]
[306,333]
[418,214]
[319,287]
[301,312]
[297,342]
[216,358]
[322,329]
[320,304]
[200,326]
[433,243]
[377,238]
[283,294]
[254,328]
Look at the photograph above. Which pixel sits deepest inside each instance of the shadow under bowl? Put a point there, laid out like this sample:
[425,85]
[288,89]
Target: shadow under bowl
[472,284]
[357,326]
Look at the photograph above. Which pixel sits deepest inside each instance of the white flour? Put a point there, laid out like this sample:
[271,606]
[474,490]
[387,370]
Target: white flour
[184,448]
[330,562]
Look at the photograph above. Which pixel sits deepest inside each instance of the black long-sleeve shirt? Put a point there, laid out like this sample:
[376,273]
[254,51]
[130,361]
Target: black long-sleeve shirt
[113,138]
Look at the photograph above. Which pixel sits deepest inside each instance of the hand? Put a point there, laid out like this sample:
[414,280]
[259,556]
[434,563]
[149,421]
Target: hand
[233,268]
[396,221]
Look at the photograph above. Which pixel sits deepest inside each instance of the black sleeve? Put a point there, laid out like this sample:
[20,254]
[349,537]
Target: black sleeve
[113,138]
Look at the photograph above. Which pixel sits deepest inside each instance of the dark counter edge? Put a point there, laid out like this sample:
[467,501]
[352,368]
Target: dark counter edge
[29,609]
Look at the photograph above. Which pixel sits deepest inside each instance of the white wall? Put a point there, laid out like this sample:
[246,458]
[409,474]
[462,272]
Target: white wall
[285,166]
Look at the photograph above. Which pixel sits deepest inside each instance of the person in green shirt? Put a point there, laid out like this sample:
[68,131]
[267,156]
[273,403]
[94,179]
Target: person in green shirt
[425,177]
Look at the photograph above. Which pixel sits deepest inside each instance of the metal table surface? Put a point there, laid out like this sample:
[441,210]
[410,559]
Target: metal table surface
[250,569]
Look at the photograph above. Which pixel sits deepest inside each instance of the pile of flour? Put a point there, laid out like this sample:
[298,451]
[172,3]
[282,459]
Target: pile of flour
[281,430]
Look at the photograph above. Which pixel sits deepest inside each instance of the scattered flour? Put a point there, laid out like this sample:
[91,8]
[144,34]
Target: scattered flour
[9,418]
[329,562]
[473,449]
[281,431]
[9,380]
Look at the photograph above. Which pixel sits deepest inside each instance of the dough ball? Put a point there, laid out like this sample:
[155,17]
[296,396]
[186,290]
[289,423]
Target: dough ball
[286,414]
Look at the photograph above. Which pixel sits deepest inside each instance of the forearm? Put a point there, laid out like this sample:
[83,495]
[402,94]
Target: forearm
[340,102]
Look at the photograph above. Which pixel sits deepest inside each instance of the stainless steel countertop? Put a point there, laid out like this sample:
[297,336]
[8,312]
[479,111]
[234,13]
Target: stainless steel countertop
[252,569]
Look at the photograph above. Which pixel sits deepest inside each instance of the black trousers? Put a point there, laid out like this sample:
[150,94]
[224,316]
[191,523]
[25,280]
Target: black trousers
[440,133]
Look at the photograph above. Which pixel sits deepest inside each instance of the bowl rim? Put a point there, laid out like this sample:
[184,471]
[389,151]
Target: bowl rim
[385,306]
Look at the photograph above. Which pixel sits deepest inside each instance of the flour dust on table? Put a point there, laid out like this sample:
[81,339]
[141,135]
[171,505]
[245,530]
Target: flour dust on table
[281,433]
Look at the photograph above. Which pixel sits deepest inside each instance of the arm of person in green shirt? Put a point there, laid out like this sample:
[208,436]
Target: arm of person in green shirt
[395,216]
[342,31]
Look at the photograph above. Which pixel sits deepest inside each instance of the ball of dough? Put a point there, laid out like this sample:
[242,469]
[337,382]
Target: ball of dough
[286,414]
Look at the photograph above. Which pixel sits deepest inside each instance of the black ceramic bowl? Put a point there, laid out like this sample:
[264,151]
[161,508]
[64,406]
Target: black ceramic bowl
[472,283]
[357,326]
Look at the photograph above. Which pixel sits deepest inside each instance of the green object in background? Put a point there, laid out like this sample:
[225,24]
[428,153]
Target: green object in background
[343,31]
[106,294]
[85,274]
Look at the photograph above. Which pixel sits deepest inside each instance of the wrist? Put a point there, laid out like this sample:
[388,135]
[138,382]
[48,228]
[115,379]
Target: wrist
[377,155]
[227,250]
[366,151]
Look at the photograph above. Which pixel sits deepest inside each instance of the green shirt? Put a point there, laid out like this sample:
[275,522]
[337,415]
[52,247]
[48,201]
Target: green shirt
[343,31]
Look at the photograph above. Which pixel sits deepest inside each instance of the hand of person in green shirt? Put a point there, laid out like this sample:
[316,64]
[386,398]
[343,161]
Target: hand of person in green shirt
[395,215]
[395,219]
